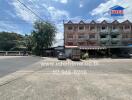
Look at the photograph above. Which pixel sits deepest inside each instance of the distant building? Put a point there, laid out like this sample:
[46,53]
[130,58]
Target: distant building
[53,51]
[97,36]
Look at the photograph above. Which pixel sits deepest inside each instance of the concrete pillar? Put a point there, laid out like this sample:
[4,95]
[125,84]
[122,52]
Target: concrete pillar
[19,53]
[6,53]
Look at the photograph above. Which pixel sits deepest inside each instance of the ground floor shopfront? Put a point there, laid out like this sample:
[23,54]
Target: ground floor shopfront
[102,52]
[108,52]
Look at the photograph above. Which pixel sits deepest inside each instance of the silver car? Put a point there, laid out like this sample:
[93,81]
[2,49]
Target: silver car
[61,56]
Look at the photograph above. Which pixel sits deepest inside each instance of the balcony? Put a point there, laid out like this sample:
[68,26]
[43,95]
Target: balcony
[69,39]
[127,30]
[104,32]
[93,31]
[104,43]
[104,39]
[115,43]
[115,39]
[115,32]
[127,39]
[69,31]
[86,38]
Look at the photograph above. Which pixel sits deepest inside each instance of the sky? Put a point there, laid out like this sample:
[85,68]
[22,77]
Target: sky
[15,17]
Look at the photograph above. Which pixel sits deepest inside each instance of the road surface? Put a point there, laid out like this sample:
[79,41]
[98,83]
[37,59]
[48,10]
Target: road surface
[10,64]
[108,79]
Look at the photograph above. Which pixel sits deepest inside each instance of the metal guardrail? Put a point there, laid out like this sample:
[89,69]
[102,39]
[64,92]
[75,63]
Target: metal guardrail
[14,53]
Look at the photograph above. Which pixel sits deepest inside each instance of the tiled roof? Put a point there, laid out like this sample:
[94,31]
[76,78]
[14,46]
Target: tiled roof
[92,22]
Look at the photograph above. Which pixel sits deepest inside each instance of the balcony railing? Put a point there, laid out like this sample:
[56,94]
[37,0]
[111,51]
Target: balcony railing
[104,39]
[93,31]
[115,30]
[115,39]
[127,30]
[69,39]
[126,39]
[104,31]
[115,33]
[115,44]
[105,44]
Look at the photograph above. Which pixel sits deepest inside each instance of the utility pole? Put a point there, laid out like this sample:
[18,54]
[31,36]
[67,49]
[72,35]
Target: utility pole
[64,35]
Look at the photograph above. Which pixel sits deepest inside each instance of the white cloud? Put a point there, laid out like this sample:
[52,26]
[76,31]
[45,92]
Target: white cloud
[62,1]
[104,18]
[48,12]
[57,14]
[101,12]
[81,4]
[23,13]
[5,26]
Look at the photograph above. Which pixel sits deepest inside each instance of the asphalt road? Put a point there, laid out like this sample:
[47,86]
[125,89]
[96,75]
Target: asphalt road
[108,66]
[109,79]
[12,64]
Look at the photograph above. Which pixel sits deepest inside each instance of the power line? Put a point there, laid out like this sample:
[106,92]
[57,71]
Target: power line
[32,3]
[30,9]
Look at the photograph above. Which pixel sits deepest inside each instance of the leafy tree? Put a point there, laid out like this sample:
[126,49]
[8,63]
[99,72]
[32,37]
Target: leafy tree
[43,36]
[9,40]
[26,43]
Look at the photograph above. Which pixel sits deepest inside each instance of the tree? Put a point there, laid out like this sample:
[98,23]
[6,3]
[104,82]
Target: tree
[43,36]
[9,40]
[26,43]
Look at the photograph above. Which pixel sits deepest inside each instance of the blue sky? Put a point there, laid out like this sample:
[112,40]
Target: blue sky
[15,17]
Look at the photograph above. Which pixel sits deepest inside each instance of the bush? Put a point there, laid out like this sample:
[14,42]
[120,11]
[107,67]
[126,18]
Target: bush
[85,56]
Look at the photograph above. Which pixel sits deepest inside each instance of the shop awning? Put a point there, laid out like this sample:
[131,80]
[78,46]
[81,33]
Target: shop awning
[71,46]
[92,48]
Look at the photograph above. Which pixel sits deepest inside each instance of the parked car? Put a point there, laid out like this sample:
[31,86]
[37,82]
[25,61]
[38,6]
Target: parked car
[61,56]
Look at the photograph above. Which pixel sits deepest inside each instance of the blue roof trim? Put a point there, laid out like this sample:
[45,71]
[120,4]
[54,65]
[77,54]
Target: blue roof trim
[117,8]
[130,45]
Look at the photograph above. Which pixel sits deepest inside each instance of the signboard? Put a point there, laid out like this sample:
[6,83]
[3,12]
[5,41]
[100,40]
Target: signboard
[117,11]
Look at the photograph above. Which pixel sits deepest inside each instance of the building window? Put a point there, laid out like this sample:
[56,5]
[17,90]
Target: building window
[103,36]
[69,36]
[75,28]
[127,27]
[70,28]
[103,43]
[81,43]
[125,36]
[92,43]
[103,27]
[114,27]
[114,43]
[81,27]
[114,36]
[81,36]
[70,43]
[92,28]
[121,27]
[92,36]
